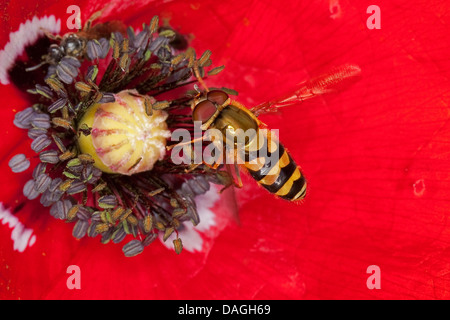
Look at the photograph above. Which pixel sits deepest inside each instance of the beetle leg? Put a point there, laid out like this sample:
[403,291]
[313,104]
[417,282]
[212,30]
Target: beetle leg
[51,36]
[183,143]
[91,19]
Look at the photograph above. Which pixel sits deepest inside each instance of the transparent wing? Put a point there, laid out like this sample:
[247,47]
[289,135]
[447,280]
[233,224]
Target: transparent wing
[230,195]
[333,81]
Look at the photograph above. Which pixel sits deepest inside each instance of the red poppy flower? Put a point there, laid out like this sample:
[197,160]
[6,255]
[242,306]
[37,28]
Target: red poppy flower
[374,154]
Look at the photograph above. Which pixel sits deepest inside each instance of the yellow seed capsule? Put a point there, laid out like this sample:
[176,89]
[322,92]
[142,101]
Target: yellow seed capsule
[122,133]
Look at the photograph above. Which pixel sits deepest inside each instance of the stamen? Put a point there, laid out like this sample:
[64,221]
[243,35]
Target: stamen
[107,202]
[80,229]
[23,118]
[42,183]
[40,143]
[178,245]
[83,213]
[33,133]
[19,163]
[49,156]
[133,248]
[97,49]
[29,191]
[59,209]
[40,120]
[119,235]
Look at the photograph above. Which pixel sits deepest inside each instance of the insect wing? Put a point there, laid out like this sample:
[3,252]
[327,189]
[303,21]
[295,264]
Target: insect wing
[230,198]
[334,80]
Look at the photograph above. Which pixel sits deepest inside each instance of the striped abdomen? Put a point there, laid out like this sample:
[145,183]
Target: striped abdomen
[269,163]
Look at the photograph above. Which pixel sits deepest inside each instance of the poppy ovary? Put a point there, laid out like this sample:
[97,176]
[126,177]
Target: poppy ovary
[123,138]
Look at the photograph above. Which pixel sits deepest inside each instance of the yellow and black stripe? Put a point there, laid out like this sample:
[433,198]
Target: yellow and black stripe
[283,178]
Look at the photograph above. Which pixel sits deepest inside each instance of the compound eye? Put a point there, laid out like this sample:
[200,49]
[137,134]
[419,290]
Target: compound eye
[217,96]
[203,111]
[55,52]
[73,45]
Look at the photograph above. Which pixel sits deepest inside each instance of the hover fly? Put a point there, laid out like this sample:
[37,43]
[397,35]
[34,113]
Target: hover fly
[216,110]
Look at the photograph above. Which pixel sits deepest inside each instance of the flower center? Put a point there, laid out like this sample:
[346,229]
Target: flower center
[123,138]
[102,145]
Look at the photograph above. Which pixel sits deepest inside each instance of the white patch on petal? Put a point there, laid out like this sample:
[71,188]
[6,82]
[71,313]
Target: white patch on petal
[192,239]
[204,204]
[27,34]
[22,237]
